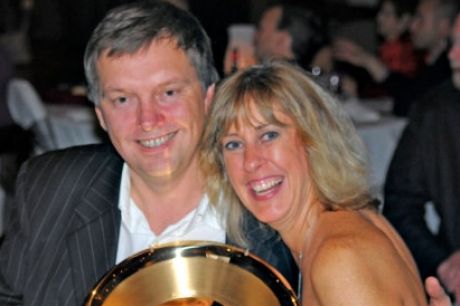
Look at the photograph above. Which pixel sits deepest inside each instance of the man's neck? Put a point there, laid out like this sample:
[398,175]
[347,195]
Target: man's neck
[435,52]
[166,202]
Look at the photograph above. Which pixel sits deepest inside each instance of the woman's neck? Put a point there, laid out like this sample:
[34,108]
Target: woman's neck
[298,234]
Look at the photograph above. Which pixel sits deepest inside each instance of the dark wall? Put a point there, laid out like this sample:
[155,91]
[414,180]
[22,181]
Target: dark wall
[60,29]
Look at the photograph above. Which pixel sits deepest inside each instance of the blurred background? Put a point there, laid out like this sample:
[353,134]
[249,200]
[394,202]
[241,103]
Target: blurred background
[46,38]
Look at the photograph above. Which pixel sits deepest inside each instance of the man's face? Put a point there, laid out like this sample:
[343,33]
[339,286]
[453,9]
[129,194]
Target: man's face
[425,25]
[153,106]
[267,35]
[454,53]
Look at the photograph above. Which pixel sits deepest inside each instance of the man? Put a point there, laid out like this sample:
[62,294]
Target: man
[426,168]
[294,34]
[430,29]
[78,212]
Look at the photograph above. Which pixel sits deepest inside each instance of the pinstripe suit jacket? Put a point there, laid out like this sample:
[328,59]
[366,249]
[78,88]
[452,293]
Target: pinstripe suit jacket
[63,231]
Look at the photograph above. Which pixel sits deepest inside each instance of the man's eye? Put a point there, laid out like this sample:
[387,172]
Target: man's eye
[232,145]
[171,92]
[169,95]
[120,100]
[270,135]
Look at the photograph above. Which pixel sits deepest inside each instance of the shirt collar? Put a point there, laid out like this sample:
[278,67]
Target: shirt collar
[135,222]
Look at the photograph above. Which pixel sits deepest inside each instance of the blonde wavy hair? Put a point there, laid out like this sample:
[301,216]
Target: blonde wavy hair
[336,155]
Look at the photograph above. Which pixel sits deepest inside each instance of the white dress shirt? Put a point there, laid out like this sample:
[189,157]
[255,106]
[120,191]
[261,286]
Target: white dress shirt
[201,223]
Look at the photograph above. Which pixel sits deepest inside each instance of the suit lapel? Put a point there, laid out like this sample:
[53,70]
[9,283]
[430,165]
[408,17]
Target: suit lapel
[92,245]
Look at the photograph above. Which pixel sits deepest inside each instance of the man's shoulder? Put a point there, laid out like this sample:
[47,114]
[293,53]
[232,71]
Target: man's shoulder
[79,154]
[439,99]
[445,89]
[78,162]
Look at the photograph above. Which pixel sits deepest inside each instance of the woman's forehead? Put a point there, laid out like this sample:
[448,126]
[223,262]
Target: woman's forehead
[254,113]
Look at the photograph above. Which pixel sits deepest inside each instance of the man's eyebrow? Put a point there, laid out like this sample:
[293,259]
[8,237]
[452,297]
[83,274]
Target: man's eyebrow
[105,91]
[112,89]
[176,80]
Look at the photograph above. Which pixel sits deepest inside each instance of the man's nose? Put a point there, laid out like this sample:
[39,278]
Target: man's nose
[150,115]
[454,52]
[413,26]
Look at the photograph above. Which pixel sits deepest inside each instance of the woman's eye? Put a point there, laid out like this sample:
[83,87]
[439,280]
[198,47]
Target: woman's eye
[232,145]
[270,135]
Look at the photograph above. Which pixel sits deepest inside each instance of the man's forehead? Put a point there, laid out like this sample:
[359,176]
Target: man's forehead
[456,27]
[162,40]
[426,7]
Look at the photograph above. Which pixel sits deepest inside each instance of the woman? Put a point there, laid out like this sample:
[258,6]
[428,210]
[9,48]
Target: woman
[282,147]
[395,54]
[396,50]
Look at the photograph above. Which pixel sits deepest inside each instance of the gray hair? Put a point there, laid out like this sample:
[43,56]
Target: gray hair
[131,27]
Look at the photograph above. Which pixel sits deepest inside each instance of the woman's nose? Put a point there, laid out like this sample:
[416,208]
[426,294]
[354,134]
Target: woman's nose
[252,157]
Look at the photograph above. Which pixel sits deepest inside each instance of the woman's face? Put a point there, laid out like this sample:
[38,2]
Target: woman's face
[389,25]
[267,166]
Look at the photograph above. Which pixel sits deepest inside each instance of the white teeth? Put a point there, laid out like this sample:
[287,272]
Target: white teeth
[152,143]
[265,185]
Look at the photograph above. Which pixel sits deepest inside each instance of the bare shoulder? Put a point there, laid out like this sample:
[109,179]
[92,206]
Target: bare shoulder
[347,252]
[356,264]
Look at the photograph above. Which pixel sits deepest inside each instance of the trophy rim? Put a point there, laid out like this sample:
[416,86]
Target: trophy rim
[209,251]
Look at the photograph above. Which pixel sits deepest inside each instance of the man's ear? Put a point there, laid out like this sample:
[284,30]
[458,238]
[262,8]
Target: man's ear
[100,117]
[209,97]
[445,27]
[404,22]
[284,44]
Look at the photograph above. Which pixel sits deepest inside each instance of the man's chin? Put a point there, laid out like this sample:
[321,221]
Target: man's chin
[456,80]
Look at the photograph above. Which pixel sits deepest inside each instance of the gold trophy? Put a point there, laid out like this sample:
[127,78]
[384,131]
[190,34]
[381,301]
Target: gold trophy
[198,273]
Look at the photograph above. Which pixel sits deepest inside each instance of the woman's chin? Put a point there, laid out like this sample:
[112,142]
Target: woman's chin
[269,216]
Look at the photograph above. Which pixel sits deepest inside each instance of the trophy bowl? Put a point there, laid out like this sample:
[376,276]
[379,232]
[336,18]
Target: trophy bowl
[198,273]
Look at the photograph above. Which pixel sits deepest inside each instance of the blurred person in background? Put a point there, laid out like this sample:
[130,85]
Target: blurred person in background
[396,50]
[291,33]
[426,168]
[298,35]
[294,34]
[429,31]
